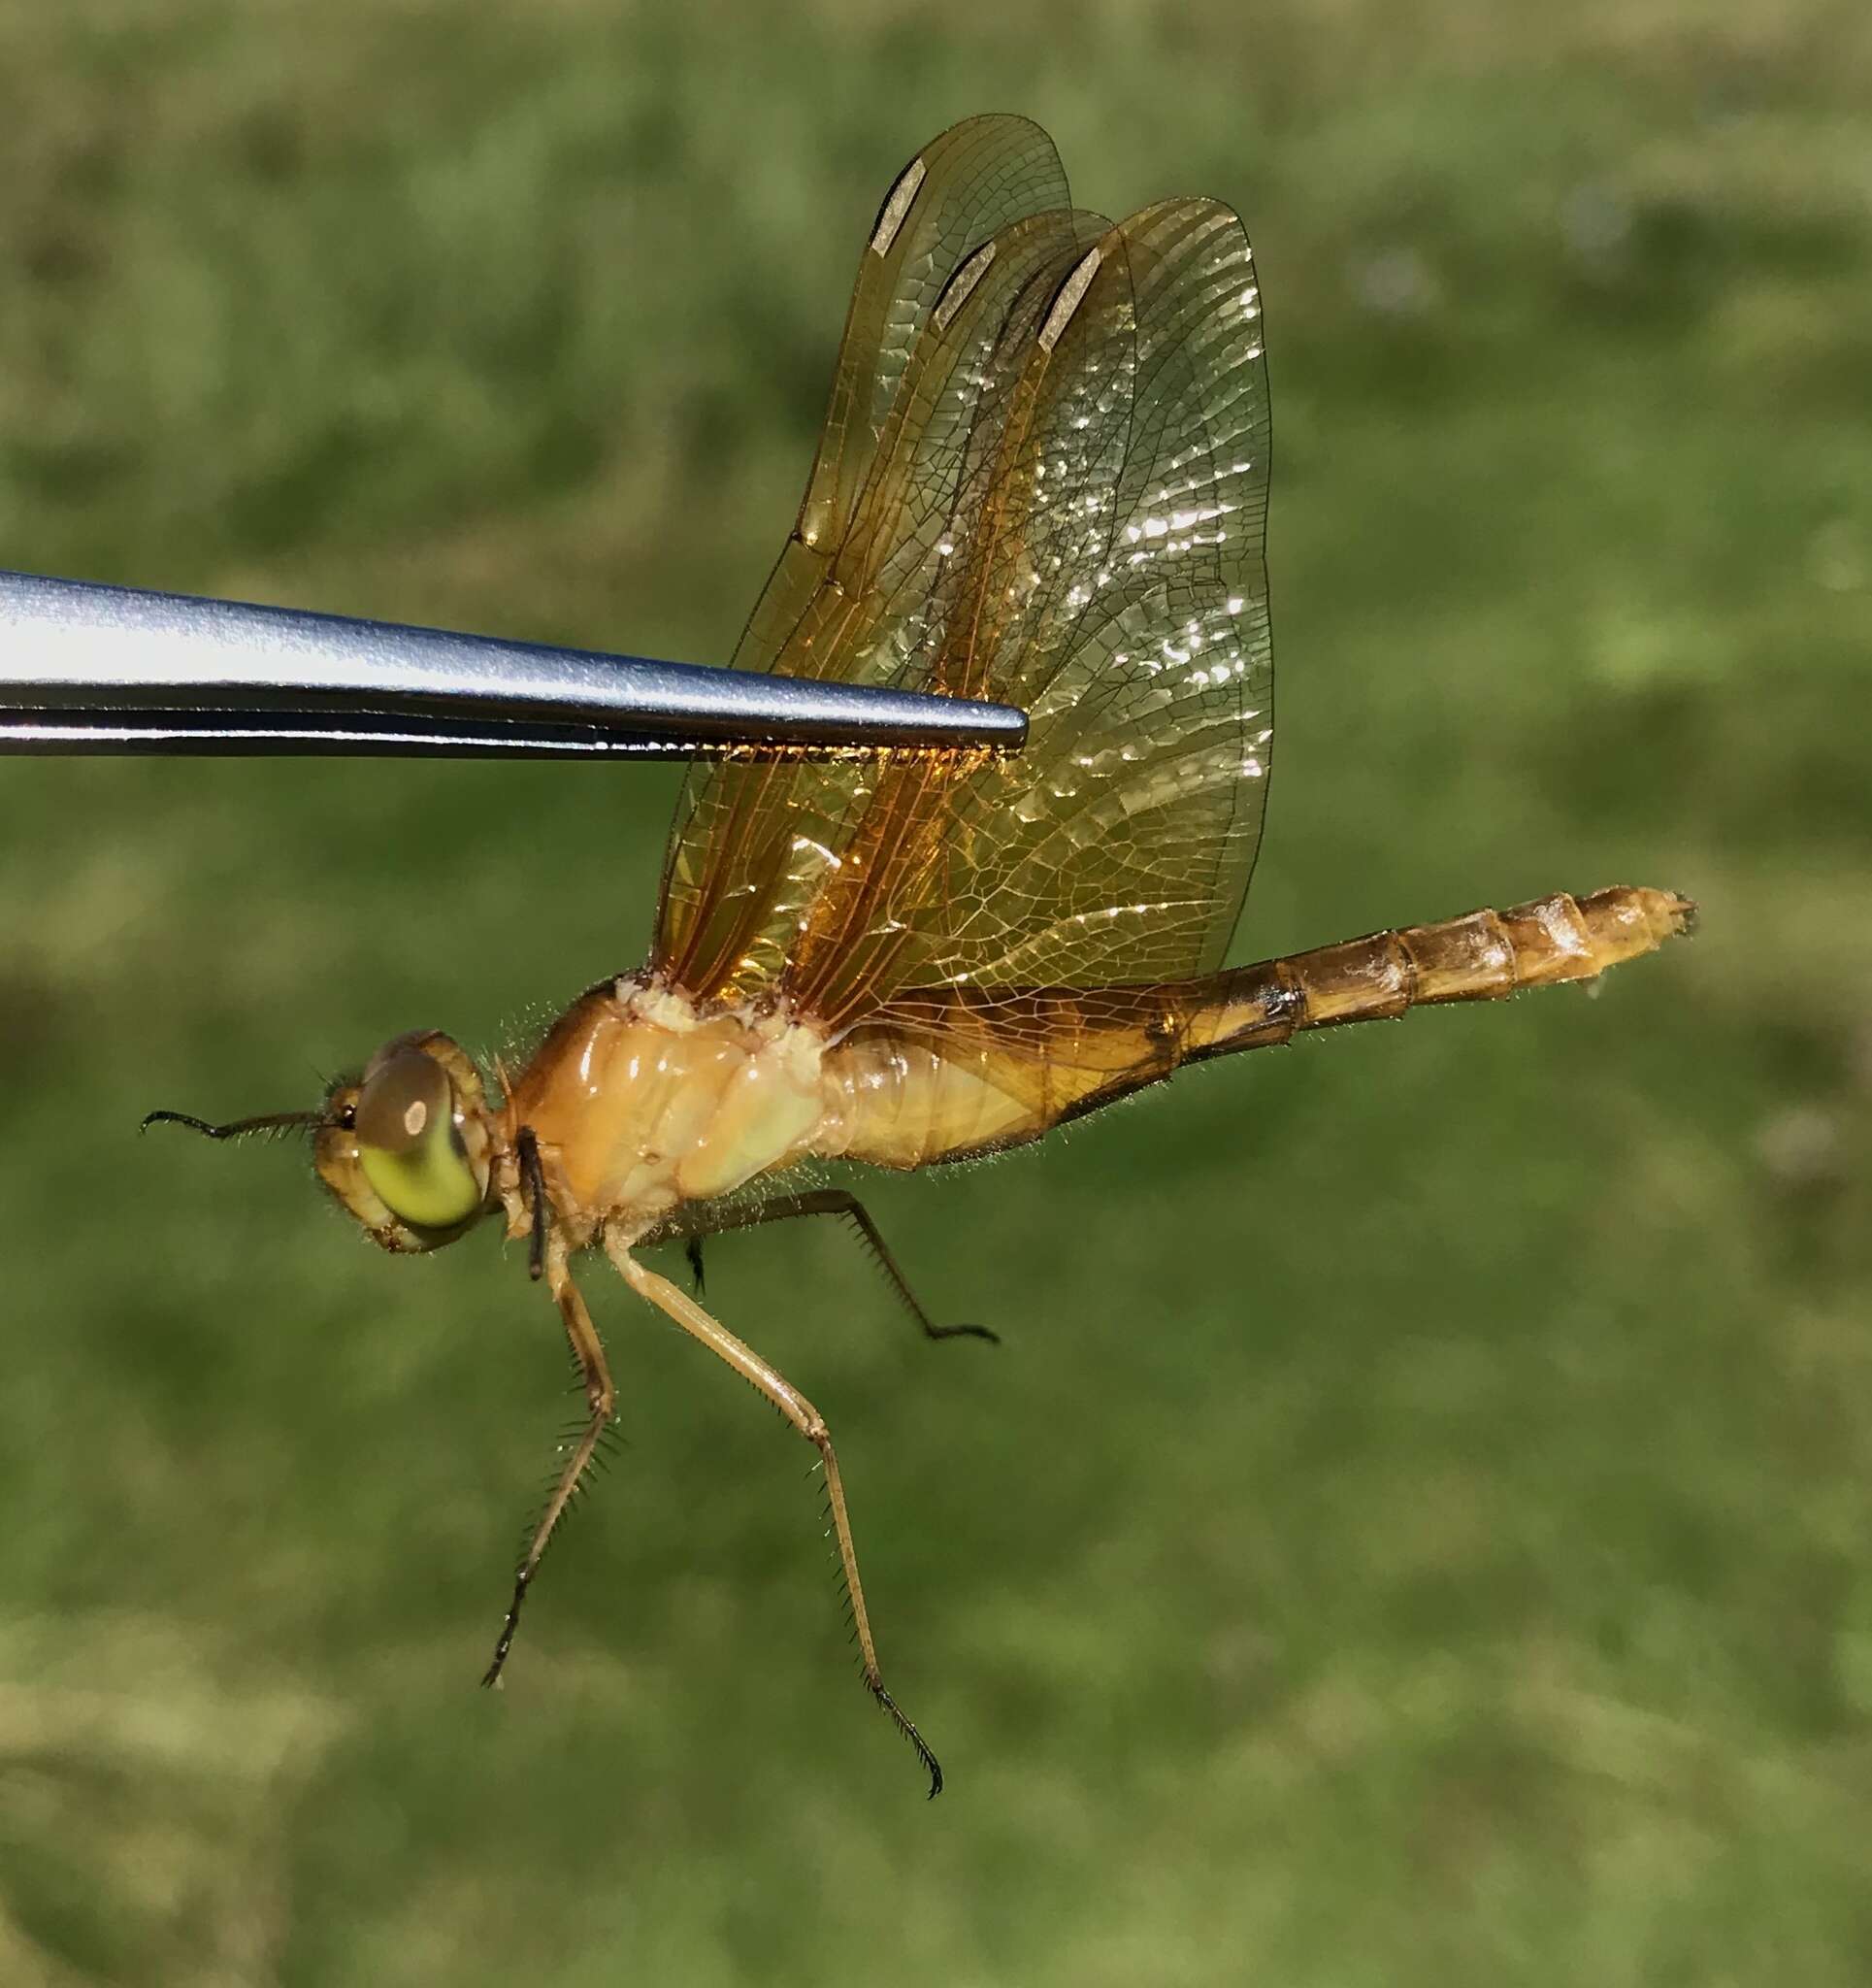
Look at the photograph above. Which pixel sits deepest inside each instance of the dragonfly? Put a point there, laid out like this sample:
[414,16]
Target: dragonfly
[1042,480]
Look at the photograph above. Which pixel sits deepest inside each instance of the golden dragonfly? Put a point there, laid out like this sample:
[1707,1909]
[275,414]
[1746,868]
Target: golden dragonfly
[1042,480]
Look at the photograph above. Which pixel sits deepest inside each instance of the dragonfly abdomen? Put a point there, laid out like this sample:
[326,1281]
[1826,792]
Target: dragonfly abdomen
[1482,955]
[954,1073]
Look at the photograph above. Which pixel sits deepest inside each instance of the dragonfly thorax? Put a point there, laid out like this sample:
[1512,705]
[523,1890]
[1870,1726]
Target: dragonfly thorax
[639,1102]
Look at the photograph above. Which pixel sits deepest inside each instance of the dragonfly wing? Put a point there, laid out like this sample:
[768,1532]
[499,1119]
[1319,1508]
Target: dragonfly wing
[1065,509]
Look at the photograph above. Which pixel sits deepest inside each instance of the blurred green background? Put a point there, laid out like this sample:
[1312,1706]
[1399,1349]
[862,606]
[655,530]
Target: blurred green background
[1420,1524]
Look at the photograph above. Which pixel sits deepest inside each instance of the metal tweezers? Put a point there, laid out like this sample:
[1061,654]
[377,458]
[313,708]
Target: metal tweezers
[108,669]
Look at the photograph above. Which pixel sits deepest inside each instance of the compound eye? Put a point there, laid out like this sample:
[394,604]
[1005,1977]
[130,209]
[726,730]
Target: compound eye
[409,1143]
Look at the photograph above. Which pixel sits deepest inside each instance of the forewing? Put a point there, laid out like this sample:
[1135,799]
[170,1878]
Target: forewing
[960,193]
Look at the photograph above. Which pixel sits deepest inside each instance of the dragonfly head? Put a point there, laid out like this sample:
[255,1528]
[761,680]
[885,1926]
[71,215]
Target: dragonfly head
[408,1147]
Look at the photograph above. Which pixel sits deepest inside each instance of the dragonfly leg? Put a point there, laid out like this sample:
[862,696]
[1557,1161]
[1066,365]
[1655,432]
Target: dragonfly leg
[676,1304]
[533,1183]
[694,1224]
[601,1399]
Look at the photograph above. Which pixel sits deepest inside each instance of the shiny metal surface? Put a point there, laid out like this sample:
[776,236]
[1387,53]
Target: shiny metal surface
[86,668]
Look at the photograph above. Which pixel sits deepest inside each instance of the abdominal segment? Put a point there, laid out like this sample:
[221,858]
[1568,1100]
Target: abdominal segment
[947,1073]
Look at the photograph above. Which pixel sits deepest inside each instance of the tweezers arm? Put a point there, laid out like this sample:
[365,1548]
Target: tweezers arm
[103,669]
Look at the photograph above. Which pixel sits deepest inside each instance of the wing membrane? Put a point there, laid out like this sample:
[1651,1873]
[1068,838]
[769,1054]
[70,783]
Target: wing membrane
[1064,506]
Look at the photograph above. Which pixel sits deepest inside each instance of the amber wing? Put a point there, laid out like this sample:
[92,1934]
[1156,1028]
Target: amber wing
[1044,481]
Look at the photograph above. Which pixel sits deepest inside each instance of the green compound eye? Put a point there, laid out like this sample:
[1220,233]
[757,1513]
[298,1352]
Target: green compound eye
[408,1144]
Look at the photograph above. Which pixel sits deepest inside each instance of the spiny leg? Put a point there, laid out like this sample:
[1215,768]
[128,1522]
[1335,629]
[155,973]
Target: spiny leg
[601,1399]
[676,1303]
[694,1224]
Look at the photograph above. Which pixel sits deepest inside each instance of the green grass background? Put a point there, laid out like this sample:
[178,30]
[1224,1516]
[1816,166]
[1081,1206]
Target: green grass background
[1419,1527]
